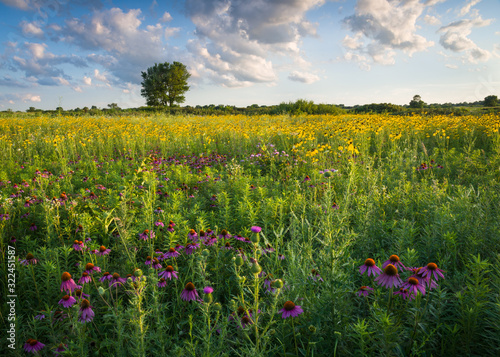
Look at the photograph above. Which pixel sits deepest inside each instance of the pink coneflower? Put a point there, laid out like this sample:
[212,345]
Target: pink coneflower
[148,260]
[86,313]
[40,316]
[61,348]
[245,321]
[394,260]
[281,257]
[147,235]
[158,210]
[106,276]
[91,268]
[156,264]
[67,301]
[190,247]
[189,293]
[364,291]
[389,278]
[162,283]
[159,224]
[227,246]
[256,229]
[404,293]
[431,270]
[371,267]
[85,278]
[170,228]
[307,178]
[414,286]
[168,273]
[33,227]
[68,284]
[171,253]
[315,275]
[290,310]
[224,234]
[103,251]
[116,280]
[30,259]
[80,295]
[193,235]
[78,245]
[33,345]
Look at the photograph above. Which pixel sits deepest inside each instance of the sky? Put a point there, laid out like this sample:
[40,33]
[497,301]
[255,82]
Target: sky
[80,53]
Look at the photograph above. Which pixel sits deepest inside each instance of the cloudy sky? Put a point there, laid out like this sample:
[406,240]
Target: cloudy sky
[77,53]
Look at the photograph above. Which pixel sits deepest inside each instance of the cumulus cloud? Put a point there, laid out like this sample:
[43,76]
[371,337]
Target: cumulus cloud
[303,77]
[382,26]
[31,98]
[454,38]
[466,9]
[87,81]
[431,20]
[166,17]
[31,29]
[236,38]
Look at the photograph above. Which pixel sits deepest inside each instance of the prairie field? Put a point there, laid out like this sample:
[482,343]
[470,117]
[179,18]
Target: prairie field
[327,235]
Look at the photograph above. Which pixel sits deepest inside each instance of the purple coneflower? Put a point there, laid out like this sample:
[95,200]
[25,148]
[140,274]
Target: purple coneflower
[162,283]
[193,235]
[414,286]
[227,246]
[91,268]
[189,293]
[30,259]
[148,260]
[67,301]
[33,227]
[245,321]
[40,316]
[431,270]
[68,284]
[80,295]
[315,275]
[85,278]
[290,310]
[371,267]
[106,276]
[156,264]
[147,234]
[171,253]
[158,210]
[86,313]
[389,278]
[404,293]
[103,251]
[281,257]
[116,280]
[61,348]
[78,245]
[190,247]
[364,291]
[168,273]
[159,224]
[170,228]
[224,234]
[394,260]
[33,345]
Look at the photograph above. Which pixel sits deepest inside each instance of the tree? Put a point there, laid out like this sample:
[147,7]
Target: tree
[417,102]
[165,84]
[491,101]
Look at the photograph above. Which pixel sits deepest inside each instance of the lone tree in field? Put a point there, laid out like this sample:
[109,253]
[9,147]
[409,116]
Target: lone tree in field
[491,101]
[165,84]
[417,102]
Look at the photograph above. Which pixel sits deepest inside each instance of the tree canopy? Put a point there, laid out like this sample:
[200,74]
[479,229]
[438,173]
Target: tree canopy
[165,84]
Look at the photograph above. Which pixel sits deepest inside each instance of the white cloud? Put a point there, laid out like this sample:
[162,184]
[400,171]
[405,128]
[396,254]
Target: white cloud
[431,20]
[466,9]
[236,38]
[303,77]
[20,4]
[87,81]
[387,26]
[31,98]
[171,31]
[166,17]
[452,66]
[77,89]
[31,29]
[100,76]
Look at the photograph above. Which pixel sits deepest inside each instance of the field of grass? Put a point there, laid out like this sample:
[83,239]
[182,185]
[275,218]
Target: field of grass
[156,221]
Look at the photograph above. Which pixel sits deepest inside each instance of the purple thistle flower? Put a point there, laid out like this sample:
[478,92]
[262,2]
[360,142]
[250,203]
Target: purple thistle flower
[431,270]
[394,260]
[364,291]
[208,290]
[389,278]
[189,293]
[33,346]
[68,284]
[168,273]
[67,301]
[162,283]
[256,229]
[290,310]
[86,313]
[413,285]
[371,267]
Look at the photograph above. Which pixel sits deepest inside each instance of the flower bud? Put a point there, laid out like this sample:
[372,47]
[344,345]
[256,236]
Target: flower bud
[327,174]
[278,284]
[217,306]
[138,273]
[255,238]
[208,298]
[205,252]
[312,328]
[238,260]
[100,290]
[256,269]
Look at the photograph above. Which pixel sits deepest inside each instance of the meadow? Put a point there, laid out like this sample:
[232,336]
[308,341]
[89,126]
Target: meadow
[328,235]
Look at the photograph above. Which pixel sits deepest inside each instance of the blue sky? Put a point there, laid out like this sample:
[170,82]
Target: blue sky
[241,52]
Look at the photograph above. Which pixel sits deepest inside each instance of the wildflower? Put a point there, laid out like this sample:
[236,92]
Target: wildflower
[116,280]
[371,267]
[281,257]
[224,234]
[170,228]
[245,321]
[307,178]
[315,275]
[40,316]
[33,345]
[190,247]
[67,301]
[390,277]
[172,253]
[431,270]
[91,268]
[208,290]
[61,348]
[159,224]
[189,293]
[404,293]
[80,295]
[394,260]
[227,246]
[168,273]
[85,278]
[106,276]
[156,264]
[414,286]
[30,259]
[148,260]
[33,227]
[162,283]
[68,284]
[103,251]
[78,245]
[158,210]
[193,235]
[364,291]
[86,313]
[256,229]
[147,234]
[290,310]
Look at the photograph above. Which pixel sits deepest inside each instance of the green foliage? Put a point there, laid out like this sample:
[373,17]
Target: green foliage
[491,101]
